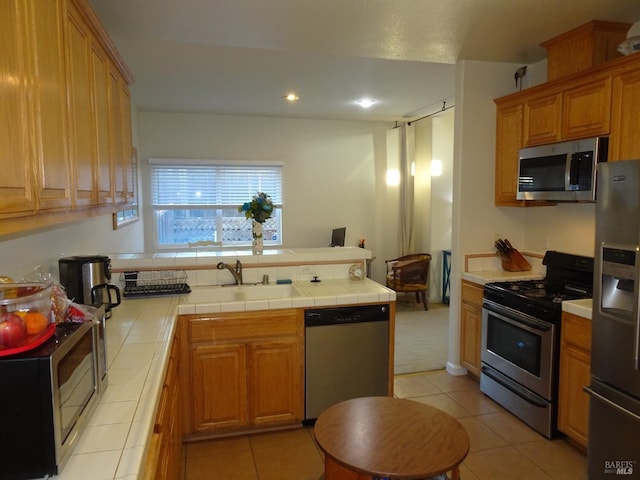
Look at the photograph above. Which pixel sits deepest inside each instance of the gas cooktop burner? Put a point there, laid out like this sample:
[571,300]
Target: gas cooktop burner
[569,277]
[541,289]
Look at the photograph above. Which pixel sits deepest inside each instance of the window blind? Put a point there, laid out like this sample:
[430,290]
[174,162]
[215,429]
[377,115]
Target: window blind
[213,185]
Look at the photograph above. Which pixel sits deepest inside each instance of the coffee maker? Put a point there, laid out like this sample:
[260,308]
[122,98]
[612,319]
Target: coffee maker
[86,281]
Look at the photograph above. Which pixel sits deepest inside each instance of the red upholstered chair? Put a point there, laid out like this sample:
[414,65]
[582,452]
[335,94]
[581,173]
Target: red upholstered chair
[410,274]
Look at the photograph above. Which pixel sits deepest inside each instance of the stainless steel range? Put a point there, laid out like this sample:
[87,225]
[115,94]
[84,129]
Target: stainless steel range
[521,338]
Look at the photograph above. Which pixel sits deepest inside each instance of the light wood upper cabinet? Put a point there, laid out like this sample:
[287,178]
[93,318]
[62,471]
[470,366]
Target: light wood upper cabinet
[117,140]
[99,109]
[587,110]
[57,131]
[542,119]
[604,100]
[120,114]
[104,160]
[130,173]
[580,111]
[81,113]
[16,153]
[624,143]
[50,131]
[509,121]
[583,47]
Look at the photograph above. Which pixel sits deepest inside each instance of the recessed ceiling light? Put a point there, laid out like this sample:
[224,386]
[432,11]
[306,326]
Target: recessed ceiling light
[365,102]
[291,97]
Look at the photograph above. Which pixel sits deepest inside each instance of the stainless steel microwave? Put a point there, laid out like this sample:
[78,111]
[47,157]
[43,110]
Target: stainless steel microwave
[561,172]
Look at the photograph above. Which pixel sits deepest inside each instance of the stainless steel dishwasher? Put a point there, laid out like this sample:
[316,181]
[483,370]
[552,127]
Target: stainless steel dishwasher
[346,355]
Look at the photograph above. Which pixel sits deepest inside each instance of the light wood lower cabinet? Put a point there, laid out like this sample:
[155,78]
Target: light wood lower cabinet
[246,370]
[471,326]
[274,381]
[575,372]
[219,387]
[164,457]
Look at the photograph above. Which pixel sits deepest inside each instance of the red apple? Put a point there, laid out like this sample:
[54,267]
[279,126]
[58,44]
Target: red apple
[12,330]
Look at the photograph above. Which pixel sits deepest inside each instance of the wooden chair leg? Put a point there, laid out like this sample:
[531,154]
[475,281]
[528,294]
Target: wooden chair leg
[425,302]
[455,473]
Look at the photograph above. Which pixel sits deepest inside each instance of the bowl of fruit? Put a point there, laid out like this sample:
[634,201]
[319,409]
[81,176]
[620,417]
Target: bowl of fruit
[25,316]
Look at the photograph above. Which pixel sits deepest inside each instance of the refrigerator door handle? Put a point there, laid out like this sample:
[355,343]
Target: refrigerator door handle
[636,348]
[613,405]
[636,314]
[636,343]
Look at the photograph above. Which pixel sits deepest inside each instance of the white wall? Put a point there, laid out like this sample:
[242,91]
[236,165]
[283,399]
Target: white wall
[441,198]
[21,254]
[422,182]
[475,218]
[331,169]
[433,195]
[567,227]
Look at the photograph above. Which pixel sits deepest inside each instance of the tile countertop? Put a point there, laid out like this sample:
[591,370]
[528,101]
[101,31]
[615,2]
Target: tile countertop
[329,292]
[114,443]
[485,267]
[113,446]
[581,308]
[203,258]
[486,276]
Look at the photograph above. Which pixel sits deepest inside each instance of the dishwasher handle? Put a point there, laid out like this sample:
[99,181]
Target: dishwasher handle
[345,315]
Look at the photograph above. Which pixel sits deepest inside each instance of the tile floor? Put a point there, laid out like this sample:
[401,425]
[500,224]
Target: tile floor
[502,447]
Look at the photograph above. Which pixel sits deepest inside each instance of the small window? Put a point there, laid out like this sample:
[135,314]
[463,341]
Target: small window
[199,201]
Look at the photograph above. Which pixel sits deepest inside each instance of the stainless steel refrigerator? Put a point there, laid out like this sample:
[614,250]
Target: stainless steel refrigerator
[614,405]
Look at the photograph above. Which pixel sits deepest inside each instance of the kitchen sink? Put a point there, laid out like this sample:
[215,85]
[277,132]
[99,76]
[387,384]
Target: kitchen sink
[239,293]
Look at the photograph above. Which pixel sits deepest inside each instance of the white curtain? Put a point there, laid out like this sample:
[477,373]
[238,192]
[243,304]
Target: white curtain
[406,189]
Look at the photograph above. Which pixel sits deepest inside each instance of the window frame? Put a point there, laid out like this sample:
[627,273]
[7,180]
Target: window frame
[178,163]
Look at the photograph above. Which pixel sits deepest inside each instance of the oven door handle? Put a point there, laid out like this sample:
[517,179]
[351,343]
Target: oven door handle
[516,389]
[507,314]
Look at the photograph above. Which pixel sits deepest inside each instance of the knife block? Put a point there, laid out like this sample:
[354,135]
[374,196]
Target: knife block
[514,262]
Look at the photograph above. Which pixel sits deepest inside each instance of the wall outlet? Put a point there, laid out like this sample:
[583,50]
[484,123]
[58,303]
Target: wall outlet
[305,269]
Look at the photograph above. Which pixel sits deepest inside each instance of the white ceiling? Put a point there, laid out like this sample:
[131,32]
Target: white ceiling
[242,56]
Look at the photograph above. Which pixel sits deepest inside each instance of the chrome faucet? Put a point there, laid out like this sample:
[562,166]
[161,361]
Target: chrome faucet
[236,272]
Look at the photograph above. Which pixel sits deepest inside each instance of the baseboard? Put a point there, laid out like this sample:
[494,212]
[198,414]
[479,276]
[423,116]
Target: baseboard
[456,370]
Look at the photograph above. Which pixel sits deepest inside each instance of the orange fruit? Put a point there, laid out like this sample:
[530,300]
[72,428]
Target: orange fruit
[36,322]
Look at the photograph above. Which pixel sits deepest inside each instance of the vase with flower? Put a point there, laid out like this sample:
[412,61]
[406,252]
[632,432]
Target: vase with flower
[258,210]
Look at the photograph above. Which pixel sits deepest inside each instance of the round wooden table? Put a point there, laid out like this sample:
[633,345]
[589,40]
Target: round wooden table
[377,437]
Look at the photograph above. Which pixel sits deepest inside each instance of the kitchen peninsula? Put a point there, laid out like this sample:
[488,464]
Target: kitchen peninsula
[124,437]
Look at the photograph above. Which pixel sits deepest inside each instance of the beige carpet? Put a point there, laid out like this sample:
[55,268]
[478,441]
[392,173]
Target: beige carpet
[421,337]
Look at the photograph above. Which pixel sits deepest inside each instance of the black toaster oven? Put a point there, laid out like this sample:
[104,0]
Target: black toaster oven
[46,397]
